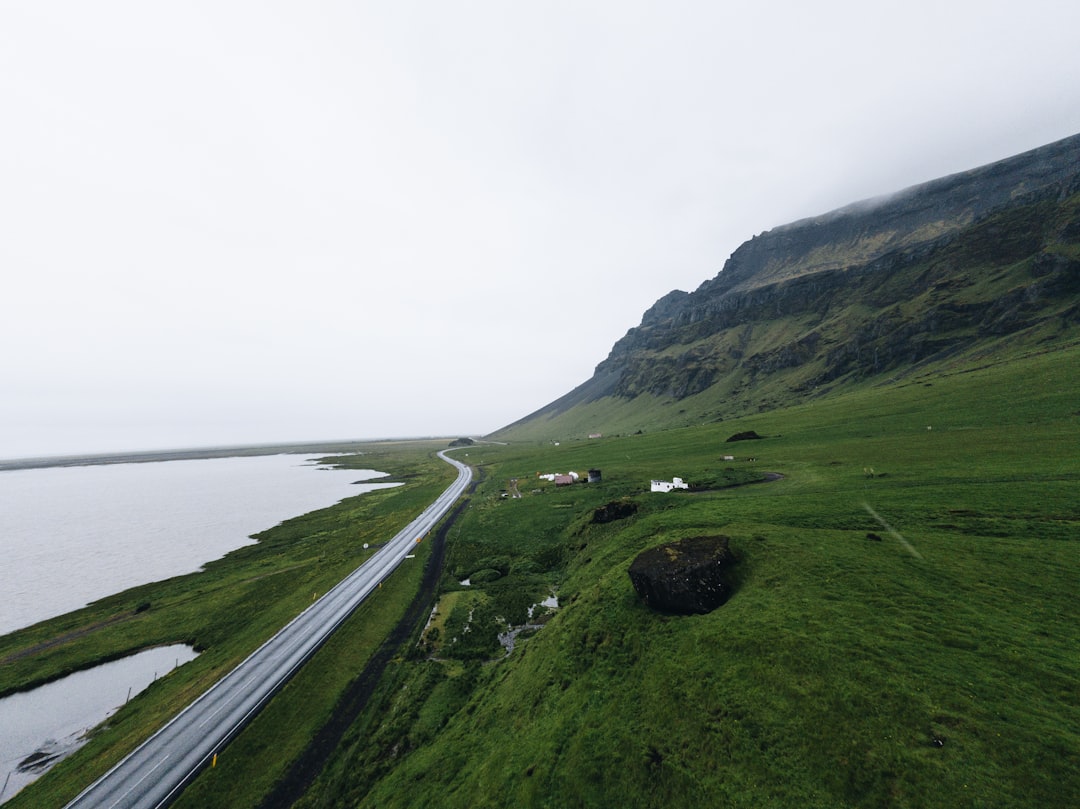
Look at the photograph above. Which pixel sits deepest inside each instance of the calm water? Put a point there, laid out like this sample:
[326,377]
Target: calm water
[72,535]
[38,728]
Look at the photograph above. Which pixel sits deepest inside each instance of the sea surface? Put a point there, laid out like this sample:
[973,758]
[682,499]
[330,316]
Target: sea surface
[72,535]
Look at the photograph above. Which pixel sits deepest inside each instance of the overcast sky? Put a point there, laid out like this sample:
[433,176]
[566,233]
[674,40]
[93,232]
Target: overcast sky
[240,222]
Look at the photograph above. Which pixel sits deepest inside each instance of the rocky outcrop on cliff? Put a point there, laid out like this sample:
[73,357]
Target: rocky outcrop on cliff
[909,221]
[880,286]
[887,286]
[1019,209]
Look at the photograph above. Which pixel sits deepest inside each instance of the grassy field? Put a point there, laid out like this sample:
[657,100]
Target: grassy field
[228,610]
[904,631]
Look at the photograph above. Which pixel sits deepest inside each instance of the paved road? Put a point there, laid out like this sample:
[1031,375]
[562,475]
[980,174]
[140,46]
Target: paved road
[155,773]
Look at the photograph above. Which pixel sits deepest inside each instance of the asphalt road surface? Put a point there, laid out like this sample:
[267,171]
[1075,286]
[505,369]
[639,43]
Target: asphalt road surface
[155,773]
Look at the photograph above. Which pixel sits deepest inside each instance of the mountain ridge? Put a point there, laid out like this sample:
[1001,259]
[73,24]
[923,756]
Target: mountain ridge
[925,273]
[938,207]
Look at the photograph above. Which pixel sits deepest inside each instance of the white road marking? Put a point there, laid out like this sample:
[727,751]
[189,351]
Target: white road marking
[133,786]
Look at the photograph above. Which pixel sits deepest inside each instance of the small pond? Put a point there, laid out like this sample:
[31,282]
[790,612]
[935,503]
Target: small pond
[40,727]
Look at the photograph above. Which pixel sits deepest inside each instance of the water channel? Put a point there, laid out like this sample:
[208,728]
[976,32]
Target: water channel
[40,727]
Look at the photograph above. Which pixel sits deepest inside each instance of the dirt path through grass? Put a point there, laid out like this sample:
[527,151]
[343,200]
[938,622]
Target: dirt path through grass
[60,640]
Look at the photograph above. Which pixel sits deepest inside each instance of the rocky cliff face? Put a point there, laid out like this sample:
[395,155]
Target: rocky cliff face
[870,288]
[913,219]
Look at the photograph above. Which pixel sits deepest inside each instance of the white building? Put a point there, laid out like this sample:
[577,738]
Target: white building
[552,475]
[668,485]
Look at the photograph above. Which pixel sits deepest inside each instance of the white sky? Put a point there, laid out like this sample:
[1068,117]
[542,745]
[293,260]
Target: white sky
[238,222]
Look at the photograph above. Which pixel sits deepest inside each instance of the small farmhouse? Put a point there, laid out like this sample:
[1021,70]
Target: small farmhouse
[668,485]
[560,479]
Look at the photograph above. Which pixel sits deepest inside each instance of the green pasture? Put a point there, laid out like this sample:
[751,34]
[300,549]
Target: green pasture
[904,631]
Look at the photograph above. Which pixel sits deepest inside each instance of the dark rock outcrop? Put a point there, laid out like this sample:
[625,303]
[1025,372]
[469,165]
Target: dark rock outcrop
[748,435]
[688,576]
[615,510]
[873,286]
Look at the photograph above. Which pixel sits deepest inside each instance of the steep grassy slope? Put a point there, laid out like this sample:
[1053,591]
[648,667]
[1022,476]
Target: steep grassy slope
[958,270]
[922,656]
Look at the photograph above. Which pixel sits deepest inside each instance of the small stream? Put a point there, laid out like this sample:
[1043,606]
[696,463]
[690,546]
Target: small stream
[508,638]
[40,727]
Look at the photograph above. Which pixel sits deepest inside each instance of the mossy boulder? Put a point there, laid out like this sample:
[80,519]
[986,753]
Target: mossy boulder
[687,577]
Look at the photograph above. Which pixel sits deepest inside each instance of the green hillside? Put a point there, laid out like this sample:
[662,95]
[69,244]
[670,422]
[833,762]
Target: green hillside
[958,272]
[923,656]
[903,631]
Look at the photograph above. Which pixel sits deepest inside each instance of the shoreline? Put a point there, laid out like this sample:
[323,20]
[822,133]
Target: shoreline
[78,534]
[199,453]
[178,455]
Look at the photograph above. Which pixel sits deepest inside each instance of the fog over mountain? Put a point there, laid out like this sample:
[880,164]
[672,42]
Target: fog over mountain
[237,223]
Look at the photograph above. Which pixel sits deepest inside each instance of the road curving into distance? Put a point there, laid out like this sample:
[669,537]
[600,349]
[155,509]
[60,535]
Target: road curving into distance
[154,774]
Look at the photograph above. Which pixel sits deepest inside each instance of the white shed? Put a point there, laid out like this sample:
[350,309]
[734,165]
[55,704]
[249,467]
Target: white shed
[668,485]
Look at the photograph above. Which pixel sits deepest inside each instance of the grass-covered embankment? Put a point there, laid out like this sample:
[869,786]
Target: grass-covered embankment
[848,669]
[226,611]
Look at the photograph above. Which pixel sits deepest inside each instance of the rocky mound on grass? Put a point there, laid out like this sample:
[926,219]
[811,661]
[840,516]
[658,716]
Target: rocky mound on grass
[688,576]
[615,510]
[749,435]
